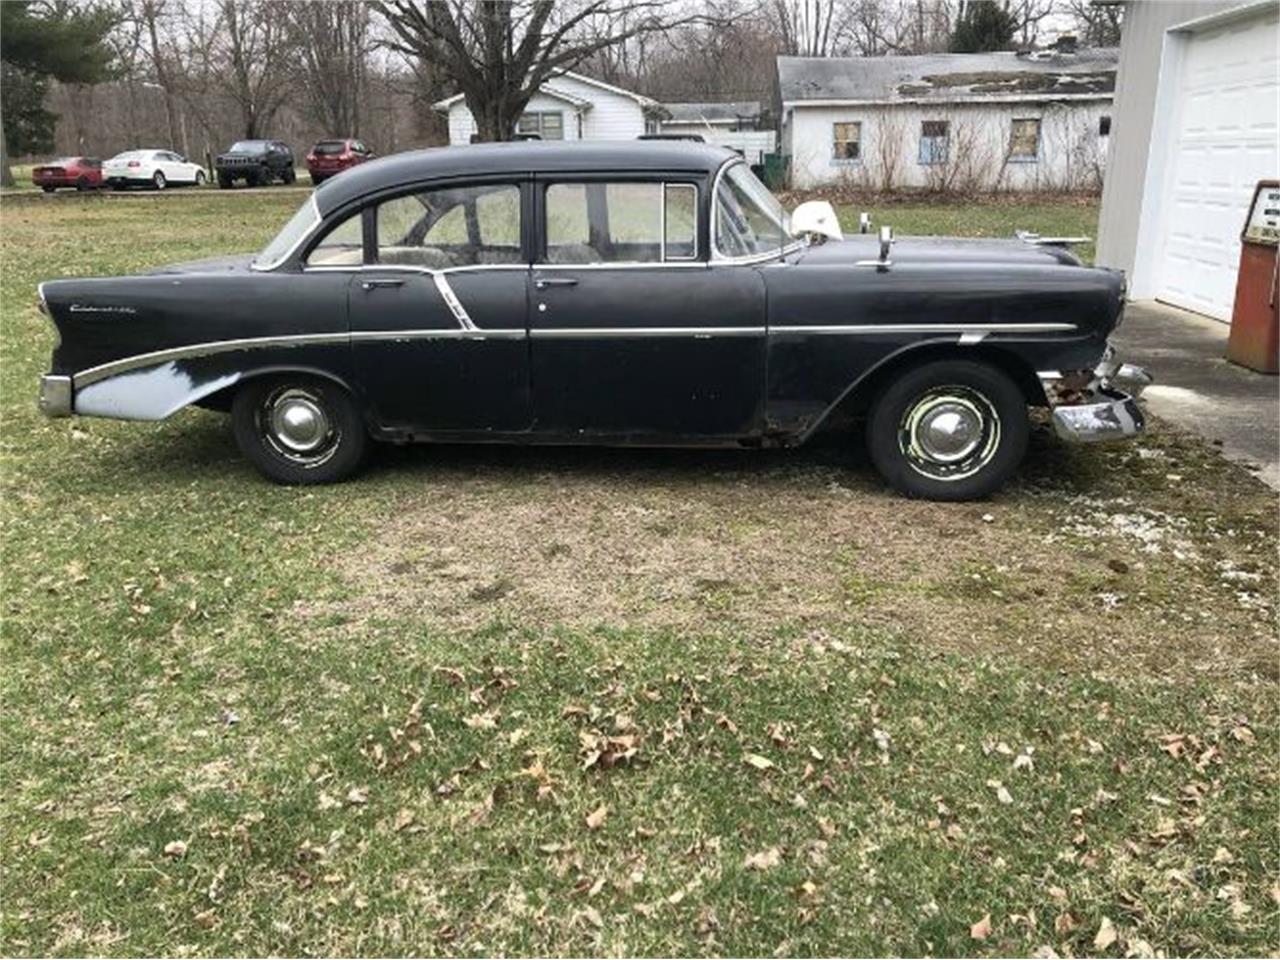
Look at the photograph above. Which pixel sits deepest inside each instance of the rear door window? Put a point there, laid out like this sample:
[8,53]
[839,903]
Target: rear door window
[620,222]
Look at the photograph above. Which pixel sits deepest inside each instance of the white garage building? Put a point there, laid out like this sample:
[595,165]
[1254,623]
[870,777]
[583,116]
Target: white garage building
[1197,124]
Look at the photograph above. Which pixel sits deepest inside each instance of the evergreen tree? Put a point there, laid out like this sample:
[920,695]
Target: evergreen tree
[984,25]
[39,41]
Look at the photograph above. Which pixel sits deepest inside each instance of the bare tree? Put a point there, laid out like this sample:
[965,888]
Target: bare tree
[150,13]
[500,52]
[1098,25]
[253,60]
[809,28]
[332,46]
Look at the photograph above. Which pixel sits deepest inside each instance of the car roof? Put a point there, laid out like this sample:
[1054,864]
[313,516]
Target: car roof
[519,157]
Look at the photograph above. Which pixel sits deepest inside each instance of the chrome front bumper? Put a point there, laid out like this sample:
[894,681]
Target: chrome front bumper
[55,396]
[1101,404]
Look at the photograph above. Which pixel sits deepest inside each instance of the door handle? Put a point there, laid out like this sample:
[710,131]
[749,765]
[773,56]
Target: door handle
[384,282]
[543,282]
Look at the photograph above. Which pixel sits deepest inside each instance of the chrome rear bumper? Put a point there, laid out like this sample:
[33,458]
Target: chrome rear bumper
[55,396]
[1101,404]
[1113,418]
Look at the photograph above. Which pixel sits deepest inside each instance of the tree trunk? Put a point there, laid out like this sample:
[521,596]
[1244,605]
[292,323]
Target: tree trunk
[6,174]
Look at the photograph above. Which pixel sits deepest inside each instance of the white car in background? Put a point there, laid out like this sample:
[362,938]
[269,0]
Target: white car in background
[151,168]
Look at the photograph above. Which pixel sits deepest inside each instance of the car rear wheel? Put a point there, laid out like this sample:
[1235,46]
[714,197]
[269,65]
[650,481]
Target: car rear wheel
[316,179]
[200,178]
[48,189]
[159,181]
[948,430]
[290,175]
[299,430]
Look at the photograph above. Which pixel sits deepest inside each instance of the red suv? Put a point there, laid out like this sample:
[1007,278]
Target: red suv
[83,173]
[330,157]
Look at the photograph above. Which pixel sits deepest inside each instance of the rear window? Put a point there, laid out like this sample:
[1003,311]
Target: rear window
[329,148]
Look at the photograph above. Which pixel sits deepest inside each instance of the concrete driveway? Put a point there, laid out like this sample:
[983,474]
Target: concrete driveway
[1197,388]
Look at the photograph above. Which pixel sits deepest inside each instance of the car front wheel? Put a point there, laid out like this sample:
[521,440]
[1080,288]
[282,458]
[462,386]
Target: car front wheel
[299,430]
[948,430]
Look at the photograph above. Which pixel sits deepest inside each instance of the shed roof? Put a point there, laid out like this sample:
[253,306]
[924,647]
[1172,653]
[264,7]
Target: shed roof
[712,112]
[949,77]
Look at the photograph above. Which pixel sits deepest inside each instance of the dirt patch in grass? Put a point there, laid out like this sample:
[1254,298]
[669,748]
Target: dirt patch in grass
[809,543]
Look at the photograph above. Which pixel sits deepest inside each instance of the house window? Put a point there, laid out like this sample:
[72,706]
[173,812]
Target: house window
[548,126]
[1024,141]
[1104,126]
[934,140]
[846,141]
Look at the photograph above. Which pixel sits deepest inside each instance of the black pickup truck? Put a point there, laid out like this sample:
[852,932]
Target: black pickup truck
[257,162]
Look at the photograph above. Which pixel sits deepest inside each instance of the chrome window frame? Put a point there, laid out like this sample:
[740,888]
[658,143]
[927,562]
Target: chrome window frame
[316,221]
[716,256]
[663,260]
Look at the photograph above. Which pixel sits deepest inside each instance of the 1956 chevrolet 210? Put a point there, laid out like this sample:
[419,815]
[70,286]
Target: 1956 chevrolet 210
[631,293]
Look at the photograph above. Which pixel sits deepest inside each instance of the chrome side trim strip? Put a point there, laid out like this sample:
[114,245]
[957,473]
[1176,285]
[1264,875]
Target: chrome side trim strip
[876,329]
[211,348]
[698,333]
[453,303]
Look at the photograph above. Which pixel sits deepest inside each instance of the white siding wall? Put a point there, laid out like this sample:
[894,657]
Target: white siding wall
[612,116]
[1071,152]
[752,144]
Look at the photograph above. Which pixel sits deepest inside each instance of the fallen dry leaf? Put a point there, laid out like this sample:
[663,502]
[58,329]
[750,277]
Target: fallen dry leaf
[175,848]
[757,761]
[982,929]
[358,795]
[595,819]
[1106,934]
[764,860]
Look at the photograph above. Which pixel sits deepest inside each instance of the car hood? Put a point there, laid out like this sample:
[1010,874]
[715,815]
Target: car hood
[238,263]
[938,250]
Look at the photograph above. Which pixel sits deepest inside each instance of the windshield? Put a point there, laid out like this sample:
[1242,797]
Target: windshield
[249,146]
[749,220]
[303,222]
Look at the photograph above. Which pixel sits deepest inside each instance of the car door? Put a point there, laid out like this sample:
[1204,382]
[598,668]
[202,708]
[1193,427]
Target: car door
[635,336]
[171,166]
[438,308]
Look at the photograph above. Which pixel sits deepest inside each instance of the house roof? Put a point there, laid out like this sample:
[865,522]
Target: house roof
[549,89]
[713,113]
[949,77]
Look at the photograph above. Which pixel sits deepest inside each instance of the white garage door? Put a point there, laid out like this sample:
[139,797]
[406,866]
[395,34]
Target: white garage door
[1227,139]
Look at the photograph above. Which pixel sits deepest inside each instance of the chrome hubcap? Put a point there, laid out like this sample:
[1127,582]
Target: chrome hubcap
[949,433]
[297,425]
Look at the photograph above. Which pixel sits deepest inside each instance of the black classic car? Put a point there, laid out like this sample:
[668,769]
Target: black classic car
[256,162]
[633,293]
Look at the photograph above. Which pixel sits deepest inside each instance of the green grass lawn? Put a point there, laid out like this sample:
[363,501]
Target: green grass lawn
[485,701]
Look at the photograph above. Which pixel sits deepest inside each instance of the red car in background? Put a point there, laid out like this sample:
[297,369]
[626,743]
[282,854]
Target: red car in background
[83,173]
[330,157]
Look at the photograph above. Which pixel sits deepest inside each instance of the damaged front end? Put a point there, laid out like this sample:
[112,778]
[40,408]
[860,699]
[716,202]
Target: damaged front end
[1099,404]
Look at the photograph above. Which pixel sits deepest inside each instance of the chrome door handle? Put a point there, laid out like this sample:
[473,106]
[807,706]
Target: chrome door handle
[374,284]
[543,282]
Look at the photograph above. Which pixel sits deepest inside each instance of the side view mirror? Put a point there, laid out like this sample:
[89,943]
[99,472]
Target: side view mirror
[816,219]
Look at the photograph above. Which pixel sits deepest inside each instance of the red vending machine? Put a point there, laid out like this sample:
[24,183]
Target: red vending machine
[1255,322]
